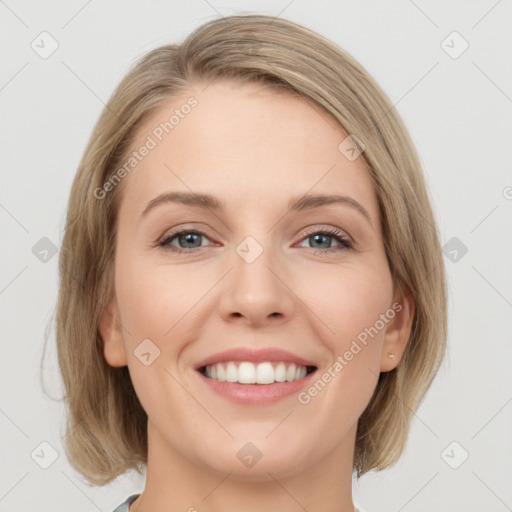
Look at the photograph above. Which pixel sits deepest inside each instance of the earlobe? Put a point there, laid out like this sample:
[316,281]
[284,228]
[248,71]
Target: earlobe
[398,331]
[109,329]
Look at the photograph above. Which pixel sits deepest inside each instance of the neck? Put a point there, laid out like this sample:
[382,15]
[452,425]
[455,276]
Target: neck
[177,483]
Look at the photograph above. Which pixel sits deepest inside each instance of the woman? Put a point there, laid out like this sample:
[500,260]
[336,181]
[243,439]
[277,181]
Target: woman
[252,301]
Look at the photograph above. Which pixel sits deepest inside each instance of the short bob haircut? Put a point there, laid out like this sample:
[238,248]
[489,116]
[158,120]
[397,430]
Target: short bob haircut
[106,426]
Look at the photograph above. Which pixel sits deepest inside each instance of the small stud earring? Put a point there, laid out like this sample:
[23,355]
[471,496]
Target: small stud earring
[391,355]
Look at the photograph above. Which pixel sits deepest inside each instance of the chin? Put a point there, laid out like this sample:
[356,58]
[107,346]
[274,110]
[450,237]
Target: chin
[262,471]
[253,462]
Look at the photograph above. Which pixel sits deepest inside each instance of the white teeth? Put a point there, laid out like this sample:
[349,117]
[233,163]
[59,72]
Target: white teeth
[231,373]
[290,373]
[246,373]
[280,372]
[249,373]
[264,373]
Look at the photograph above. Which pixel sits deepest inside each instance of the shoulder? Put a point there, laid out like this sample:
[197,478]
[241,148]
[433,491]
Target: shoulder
[125,506]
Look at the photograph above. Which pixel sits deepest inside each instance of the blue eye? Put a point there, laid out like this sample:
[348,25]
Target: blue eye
[319,236]
[186,237]
[190,241]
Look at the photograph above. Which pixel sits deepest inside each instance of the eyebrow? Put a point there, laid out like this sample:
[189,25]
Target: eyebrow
[299,203]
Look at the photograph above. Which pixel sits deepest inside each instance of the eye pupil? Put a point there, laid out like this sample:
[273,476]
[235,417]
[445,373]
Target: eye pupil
[318,237]
[189,237]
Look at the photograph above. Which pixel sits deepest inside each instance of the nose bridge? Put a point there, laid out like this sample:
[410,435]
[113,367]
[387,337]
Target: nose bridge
[256,248]
[255,289]
[255,256]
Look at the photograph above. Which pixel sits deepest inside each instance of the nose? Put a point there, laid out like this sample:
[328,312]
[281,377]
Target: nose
[257,293]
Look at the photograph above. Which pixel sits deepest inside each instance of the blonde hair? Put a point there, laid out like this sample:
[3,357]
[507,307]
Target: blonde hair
[106,428]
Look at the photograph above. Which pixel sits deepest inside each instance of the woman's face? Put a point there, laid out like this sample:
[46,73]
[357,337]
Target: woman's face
[253,277]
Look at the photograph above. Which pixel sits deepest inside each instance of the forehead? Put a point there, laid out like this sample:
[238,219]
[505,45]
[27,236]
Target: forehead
[244,143]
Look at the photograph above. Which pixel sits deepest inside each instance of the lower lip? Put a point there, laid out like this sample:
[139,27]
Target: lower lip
[256,394]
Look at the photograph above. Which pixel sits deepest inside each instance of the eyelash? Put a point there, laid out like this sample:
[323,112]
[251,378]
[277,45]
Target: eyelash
[334,233]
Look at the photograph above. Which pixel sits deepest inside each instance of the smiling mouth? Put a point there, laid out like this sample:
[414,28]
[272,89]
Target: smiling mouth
[246,372]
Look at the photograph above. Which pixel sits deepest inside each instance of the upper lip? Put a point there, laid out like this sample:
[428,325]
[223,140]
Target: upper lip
[255,356]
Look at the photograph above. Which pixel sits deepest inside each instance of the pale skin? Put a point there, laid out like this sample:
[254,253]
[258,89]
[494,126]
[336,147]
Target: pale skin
[253,149]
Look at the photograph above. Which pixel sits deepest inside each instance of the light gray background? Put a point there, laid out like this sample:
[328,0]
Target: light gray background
[458,111]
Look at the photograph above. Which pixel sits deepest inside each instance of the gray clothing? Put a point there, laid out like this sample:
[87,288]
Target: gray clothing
[124,507]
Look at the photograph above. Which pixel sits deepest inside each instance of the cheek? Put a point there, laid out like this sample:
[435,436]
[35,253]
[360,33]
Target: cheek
[162,304]
[154,299]
[155,305]
[352,306]
[349,302]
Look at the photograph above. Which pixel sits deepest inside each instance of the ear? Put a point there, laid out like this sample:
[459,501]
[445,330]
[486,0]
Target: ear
[398,330]
[111,334]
